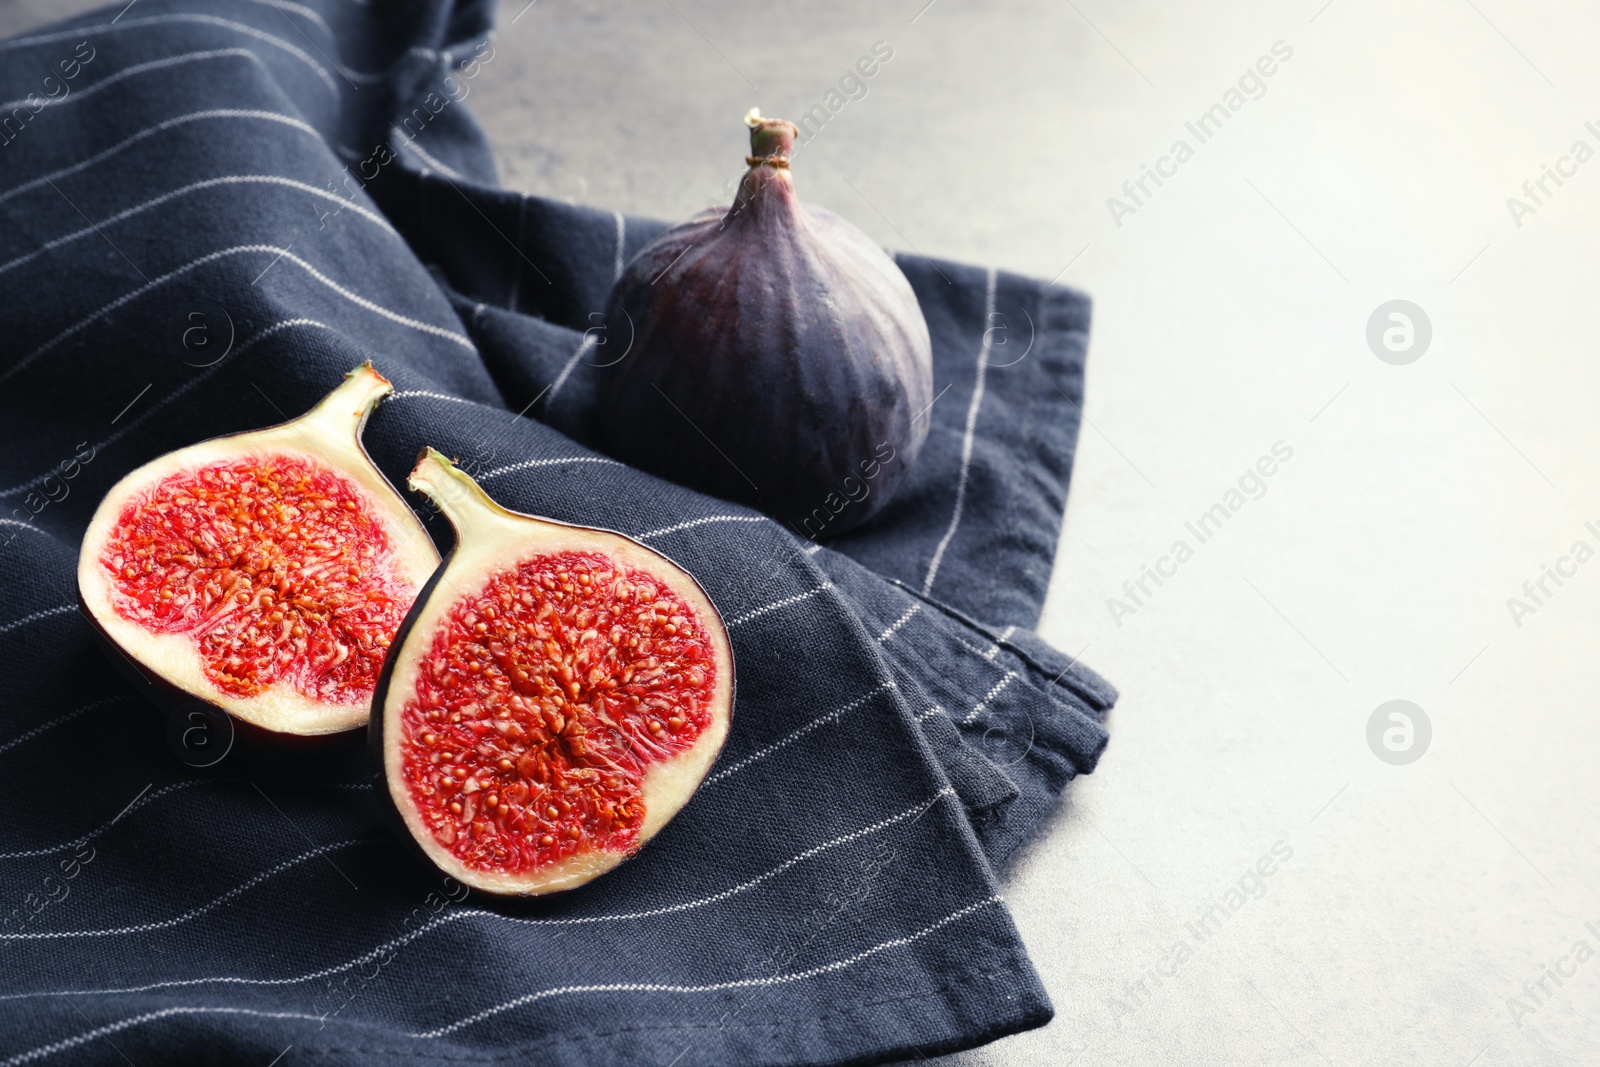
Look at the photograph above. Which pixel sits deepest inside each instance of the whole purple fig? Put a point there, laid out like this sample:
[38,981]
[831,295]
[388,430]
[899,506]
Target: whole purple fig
[779,356]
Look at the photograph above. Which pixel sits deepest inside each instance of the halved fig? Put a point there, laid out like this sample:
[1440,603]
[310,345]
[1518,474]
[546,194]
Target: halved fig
[264,574]
[555,696]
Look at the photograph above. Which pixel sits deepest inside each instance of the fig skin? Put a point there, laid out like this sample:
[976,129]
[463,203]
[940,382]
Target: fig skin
[202,735]
[489,540]
[779,357]
[200,717]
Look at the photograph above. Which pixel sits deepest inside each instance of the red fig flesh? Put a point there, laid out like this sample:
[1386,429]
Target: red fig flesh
[780,357]
[264,573]
[555,696]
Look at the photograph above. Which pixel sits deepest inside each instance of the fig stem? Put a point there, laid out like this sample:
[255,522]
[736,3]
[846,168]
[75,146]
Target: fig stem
[771,140]
[349,405]
[771,143]
[453,491]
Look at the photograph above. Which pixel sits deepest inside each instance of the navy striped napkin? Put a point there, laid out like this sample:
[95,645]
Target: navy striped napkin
[207,216]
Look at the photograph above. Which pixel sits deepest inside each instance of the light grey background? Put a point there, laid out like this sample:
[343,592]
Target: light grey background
[1231,313]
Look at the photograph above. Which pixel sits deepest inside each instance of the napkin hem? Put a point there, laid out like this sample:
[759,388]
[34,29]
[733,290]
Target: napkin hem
[1028,1009]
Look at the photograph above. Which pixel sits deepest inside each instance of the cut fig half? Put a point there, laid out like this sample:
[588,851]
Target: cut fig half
[264,574]
[555,696]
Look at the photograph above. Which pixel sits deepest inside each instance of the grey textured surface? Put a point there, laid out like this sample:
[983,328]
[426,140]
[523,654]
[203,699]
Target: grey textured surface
[1231,314]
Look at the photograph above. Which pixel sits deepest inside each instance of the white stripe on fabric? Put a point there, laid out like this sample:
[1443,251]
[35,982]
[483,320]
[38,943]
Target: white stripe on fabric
[622,234]
[775,605]
[937,709]
[132,424]
[430,395]
[427,159]
[981,653]
[139,68]
[298,9]
[283,253]
[815,850]
[472,913]
[362,77]
[209,183]
[791,738]
[587,343]
[60,720]
[966,441]
[699,522]
[894,627]
[207,20]
[812,550]
[978,708]
[994,649]
[28,525]
[195,912]
[620,987]
[376,309]
[98,830]
[528,464]
[196,116]
[36,616]
[737,983]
